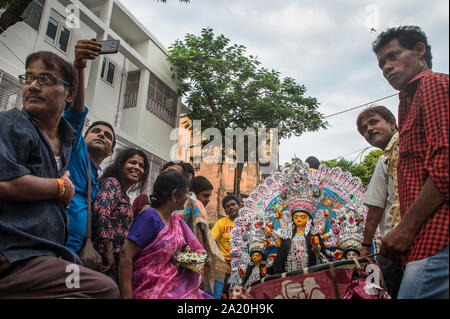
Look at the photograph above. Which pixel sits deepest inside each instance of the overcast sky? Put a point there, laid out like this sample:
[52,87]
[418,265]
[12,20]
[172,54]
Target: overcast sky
[324,45]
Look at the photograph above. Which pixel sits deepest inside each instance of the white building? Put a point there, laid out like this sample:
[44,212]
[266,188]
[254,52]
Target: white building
[133,89]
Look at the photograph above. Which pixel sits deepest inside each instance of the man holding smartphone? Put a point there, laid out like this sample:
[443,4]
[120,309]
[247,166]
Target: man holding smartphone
[97,144]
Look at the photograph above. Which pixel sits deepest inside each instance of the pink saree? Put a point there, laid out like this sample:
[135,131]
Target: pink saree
[155,276]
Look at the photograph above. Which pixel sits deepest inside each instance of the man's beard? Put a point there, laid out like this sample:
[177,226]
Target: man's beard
[96,151]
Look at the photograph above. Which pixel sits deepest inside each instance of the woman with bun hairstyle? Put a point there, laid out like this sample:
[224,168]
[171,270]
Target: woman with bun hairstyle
[146,270]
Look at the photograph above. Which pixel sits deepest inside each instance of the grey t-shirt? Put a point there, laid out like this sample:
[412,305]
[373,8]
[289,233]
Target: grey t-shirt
[380,193]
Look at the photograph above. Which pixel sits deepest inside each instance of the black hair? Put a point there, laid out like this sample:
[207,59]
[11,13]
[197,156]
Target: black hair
[54,61]
[200,184]
[227,198]
[313,162]
[104,124]
[371,111]
[115,169]
[407,36]
[170,163]
[165,184]
[187,167]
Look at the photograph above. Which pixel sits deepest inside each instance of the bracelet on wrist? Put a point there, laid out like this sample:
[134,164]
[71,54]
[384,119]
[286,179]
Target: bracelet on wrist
[366,245]
[61,187]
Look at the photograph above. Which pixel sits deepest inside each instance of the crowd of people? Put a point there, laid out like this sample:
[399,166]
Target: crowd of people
[56,202]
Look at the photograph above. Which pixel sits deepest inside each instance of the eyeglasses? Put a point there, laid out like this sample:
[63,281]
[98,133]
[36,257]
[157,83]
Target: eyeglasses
[43,79]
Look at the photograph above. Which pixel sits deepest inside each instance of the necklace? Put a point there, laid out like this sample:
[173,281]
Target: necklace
[298,255]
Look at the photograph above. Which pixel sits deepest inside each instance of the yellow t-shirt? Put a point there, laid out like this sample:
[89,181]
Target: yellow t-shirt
[221,234]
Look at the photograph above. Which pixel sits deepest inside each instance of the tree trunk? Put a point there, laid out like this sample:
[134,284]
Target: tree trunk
[220,190]
[12,14]
[237,179]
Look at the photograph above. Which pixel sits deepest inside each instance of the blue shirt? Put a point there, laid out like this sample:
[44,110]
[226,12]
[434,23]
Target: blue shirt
[145,228]
[32,228]
[78,168]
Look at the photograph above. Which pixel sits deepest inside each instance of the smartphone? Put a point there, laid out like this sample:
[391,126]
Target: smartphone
[109,46]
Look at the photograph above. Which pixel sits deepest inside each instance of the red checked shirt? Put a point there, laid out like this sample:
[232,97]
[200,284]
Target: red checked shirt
[423,146]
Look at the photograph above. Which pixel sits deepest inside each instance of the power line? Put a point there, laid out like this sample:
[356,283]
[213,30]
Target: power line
[341,112]
[356,107]
[360,155]
[12,52]
[361,151]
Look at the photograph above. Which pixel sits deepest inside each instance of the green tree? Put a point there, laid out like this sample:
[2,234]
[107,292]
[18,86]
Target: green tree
[13,12]
[370,161]
[15,8]
[225,88]
[363,170]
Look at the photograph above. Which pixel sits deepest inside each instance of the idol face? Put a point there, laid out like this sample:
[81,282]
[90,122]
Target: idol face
[300,219]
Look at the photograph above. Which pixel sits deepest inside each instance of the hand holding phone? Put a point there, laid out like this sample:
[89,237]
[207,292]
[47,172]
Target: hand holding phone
[85,50]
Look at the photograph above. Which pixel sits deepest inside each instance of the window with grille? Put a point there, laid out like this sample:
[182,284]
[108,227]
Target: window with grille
[131,89]
[33,14]
[162,101]
[10,92]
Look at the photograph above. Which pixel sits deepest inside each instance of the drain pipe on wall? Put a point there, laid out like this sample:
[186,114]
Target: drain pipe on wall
[121,92]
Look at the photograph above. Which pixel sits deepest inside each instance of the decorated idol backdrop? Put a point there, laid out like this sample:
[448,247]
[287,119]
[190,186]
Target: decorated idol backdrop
[336,215]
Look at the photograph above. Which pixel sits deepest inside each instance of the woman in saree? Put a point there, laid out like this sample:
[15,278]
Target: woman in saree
[146,269]
[194,214]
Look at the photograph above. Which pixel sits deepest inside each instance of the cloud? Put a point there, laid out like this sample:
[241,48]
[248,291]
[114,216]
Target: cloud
[324,45]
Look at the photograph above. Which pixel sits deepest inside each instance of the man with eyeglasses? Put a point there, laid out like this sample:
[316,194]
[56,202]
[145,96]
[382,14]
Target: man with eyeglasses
[98,143]
[35,190]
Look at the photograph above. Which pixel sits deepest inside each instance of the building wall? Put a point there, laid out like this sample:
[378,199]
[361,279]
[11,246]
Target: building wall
[222,178]
[221,175]
[139,50]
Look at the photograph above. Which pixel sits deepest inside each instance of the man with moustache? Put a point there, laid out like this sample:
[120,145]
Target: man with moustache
[35,189]
[88,152]
[378,126]
[421,237]
[221,233]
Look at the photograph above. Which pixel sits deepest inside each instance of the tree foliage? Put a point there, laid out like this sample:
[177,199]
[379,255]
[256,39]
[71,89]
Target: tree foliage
[363,170]
[225,88]
[13,12]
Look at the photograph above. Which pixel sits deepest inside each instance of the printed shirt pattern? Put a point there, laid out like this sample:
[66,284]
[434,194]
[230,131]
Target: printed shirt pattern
[391,153]
[112,215]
